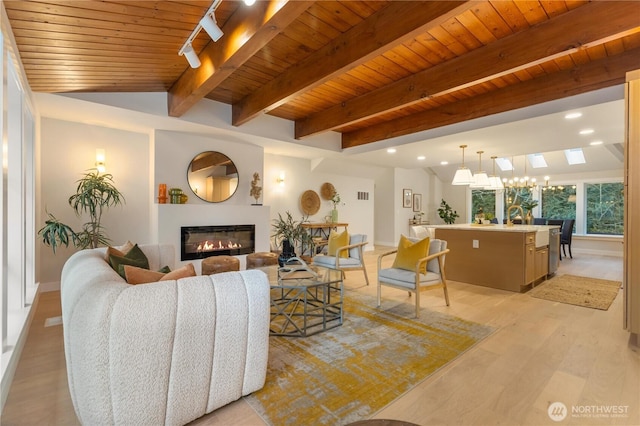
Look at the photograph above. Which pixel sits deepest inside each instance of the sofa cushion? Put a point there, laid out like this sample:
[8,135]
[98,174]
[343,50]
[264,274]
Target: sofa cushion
[118,250]
[187,270]
[337,240]
[410,252]
[135,275]
[135,257]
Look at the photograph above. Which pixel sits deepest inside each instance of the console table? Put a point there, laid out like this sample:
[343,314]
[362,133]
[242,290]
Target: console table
[320,233]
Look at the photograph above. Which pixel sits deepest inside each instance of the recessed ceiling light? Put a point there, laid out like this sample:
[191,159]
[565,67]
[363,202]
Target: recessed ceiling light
[596,143]
[444,163]
[586,131]
[573,115]
[391,150]
[421,157]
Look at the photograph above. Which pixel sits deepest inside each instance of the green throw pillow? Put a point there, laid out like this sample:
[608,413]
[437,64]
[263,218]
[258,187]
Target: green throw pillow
[135,257]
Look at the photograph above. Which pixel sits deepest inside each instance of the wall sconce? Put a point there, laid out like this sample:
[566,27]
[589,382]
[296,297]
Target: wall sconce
[101,162]
[280,179]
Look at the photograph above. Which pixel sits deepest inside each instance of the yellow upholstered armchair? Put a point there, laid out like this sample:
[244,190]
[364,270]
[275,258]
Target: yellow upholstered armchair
[347,258]
[418,277]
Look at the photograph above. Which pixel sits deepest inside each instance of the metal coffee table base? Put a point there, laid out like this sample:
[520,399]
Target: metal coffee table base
[305,310]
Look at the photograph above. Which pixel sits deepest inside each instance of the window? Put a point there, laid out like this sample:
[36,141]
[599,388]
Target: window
[485,199]
[559,202]
[605,208]
[517,196]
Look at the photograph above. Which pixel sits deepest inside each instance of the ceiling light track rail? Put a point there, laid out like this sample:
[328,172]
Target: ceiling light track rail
[210,25]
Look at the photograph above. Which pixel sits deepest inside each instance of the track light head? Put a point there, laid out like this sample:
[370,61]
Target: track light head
[191,55]
[208,22]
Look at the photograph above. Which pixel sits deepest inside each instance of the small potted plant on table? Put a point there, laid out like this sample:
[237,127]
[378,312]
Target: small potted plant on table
[290,234]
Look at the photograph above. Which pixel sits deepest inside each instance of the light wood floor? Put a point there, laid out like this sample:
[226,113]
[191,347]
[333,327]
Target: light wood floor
[542,352]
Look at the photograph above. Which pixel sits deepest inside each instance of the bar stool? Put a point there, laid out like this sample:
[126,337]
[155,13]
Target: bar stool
[216,264]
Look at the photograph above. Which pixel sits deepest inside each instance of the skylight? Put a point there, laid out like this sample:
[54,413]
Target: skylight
[504,164]
[574,156]
[537,161]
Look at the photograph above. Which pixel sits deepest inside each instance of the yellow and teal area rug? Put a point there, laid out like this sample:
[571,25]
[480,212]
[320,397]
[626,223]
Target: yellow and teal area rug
[350,372]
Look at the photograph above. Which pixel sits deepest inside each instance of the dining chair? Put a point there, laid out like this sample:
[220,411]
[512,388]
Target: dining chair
[565,236]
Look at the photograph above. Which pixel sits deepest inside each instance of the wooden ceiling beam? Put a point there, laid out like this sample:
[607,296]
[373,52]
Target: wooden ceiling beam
[257,26]
[560,36]
[373,36]
[605,72]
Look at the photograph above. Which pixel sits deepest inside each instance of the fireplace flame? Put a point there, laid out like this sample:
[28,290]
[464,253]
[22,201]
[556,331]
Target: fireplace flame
[207,245]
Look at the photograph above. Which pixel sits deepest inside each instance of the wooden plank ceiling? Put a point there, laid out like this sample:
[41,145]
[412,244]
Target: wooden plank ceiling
[370,70]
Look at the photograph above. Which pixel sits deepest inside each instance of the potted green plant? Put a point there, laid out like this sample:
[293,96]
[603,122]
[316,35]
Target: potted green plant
[95,193]
[289,234]
[446,213]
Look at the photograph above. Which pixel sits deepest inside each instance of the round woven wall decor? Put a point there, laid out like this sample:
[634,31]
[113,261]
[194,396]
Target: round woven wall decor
[310,202]
[327,190]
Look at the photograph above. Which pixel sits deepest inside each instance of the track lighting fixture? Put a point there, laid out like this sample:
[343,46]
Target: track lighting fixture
[191,55]
[208,22]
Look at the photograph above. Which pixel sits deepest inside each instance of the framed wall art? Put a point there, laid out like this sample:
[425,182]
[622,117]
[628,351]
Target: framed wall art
[407,199]
[417,202]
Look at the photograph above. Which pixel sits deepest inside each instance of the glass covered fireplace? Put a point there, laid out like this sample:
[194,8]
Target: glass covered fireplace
[198,242]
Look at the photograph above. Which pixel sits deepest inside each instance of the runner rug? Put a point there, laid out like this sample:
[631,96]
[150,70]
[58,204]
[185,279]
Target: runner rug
[350,372]
[582,291]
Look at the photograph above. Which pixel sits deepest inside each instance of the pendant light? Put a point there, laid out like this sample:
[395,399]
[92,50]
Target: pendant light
[480,179]
[463,175]
[496,182]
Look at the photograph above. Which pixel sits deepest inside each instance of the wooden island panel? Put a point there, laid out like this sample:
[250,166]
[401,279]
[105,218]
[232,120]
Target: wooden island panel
[503,260]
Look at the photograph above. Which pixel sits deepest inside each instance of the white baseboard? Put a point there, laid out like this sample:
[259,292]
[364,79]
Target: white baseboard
[593,252]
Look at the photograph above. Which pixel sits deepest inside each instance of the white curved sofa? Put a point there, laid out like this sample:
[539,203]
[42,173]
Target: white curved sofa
[160,353]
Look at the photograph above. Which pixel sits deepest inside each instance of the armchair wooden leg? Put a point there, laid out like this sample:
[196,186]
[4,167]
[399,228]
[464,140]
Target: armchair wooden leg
[446,292]
[379,291]
[417,302]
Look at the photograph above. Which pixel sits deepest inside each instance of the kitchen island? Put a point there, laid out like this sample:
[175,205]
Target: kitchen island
[510,258]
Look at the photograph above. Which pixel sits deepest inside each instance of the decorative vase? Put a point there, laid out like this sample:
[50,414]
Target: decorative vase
[529,218]
[162,193]
[334,215]
[287,252]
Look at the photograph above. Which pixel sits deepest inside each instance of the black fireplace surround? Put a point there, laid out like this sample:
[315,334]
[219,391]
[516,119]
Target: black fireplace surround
[199,242]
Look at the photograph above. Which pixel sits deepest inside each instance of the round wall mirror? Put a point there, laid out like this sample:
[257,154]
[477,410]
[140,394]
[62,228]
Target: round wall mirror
[212,176]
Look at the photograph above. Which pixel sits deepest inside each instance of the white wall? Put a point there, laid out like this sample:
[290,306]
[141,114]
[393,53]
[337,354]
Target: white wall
[68,149]
[391,186]
[173,151]
[300,177]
